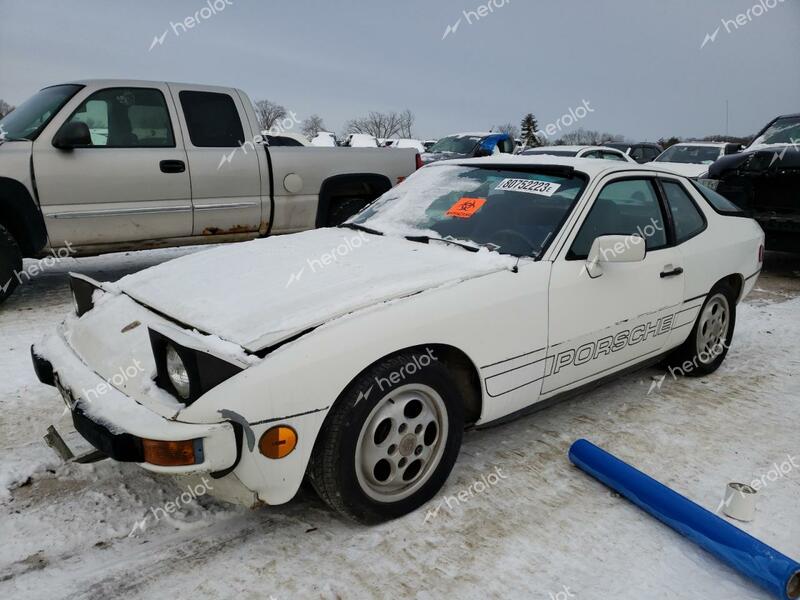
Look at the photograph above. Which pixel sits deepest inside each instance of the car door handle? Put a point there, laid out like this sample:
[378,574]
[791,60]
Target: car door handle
[172,166]
[672,273]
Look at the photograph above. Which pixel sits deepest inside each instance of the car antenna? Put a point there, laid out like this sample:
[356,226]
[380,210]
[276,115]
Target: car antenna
[515,268]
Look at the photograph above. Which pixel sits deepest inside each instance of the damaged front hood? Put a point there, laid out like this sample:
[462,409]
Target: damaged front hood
[260,293]
[759,159]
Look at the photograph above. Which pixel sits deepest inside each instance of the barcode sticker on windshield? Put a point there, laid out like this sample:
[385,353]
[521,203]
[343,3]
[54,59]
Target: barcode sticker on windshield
[529,186]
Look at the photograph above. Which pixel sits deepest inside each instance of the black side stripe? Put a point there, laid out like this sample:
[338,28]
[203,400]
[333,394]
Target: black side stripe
[513,358]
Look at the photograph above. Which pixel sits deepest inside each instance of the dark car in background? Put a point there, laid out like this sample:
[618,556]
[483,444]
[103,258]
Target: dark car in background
[641,152]
[764,180]
[469,145]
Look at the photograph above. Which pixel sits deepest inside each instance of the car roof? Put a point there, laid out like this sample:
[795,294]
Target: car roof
[470,134]
[138,83]
[706,144]
[570,148]
[590,166]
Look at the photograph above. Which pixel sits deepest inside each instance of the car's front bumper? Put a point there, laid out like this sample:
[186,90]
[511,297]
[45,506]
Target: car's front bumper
[116,424]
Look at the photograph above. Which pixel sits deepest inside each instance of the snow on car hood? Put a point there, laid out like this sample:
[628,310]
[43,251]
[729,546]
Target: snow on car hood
[260,293]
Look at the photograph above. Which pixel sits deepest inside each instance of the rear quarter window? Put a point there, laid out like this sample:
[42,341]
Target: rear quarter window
[686,217]
[212,119]
[717,201]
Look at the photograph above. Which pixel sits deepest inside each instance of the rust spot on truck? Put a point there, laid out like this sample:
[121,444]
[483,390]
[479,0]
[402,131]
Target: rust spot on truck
[234,229]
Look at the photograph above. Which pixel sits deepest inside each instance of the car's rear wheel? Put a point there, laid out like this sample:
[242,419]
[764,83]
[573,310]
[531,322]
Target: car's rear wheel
[10,263]
[707,346]
[391,441]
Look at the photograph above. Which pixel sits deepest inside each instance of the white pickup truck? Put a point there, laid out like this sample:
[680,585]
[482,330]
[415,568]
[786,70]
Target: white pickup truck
[107,165]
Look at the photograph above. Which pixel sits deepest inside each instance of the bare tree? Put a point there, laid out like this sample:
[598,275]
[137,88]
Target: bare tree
[407,124]
[312,126]
[5,108]
[508,128]
[269,113]
[588,137]
[379,125]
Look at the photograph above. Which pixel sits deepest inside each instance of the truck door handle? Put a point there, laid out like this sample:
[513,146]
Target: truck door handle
[172,166]
[672,273]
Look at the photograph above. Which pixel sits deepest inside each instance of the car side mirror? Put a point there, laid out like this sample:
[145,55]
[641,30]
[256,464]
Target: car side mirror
[73,134]
[614,249]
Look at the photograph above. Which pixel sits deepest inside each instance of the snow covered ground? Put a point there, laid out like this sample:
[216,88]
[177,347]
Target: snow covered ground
[527,523]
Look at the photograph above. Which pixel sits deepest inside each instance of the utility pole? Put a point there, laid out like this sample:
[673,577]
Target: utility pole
[726,118]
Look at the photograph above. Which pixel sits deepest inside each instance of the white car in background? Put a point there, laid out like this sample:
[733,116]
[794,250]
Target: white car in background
[409,143]
[324,139]
[476,290]
[692,159]
[601,152]
[361,140]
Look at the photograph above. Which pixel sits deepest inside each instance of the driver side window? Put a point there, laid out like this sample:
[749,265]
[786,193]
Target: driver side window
[126,118]
[625,207]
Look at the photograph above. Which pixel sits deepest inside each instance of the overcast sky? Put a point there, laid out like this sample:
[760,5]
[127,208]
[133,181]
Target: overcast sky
[638,63]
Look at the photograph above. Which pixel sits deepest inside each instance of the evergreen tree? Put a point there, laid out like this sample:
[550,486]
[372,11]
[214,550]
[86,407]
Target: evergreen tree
[529,127]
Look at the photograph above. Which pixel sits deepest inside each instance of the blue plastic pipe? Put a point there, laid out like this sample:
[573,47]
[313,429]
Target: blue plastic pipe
[764,565]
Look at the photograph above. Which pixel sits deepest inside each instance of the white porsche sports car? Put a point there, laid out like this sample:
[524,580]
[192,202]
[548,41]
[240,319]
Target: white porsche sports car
[357,356]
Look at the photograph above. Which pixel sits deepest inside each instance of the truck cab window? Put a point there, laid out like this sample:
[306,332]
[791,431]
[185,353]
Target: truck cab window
[126,118]
[212,119]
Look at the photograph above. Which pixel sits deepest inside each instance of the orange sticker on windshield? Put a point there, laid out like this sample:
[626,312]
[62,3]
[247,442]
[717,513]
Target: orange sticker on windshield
[466,207]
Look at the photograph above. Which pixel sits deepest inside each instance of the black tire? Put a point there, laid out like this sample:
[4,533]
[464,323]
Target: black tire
[696,357]
[344,208]
[10,264]
[336,470]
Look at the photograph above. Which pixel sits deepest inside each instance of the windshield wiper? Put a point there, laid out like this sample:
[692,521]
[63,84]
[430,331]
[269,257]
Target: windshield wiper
[425,239]
[358,227]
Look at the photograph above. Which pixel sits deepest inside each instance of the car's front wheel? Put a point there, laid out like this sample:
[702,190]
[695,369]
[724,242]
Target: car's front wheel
[391,441]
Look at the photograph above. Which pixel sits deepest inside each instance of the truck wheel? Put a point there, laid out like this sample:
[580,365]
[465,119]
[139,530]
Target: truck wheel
[711,337]
[343,209]
[10,264]
[387,448]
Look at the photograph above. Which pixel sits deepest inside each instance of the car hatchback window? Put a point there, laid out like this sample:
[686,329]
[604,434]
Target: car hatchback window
[628,207]
[686,218]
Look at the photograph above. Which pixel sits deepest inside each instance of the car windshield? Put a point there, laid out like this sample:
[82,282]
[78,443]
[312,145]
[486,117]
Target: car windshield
[27,120]
[457,144]
[511,210]
[698,155]
[782,131]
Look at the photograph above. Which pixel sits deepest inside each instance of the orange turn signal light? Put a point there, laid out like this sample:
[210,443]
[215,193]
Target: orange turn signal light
[169,454]
[278,442]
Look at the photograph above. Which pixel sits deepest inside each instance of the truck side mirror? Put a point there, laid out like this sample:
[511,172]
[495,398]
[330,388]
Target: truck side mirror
[71,135]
